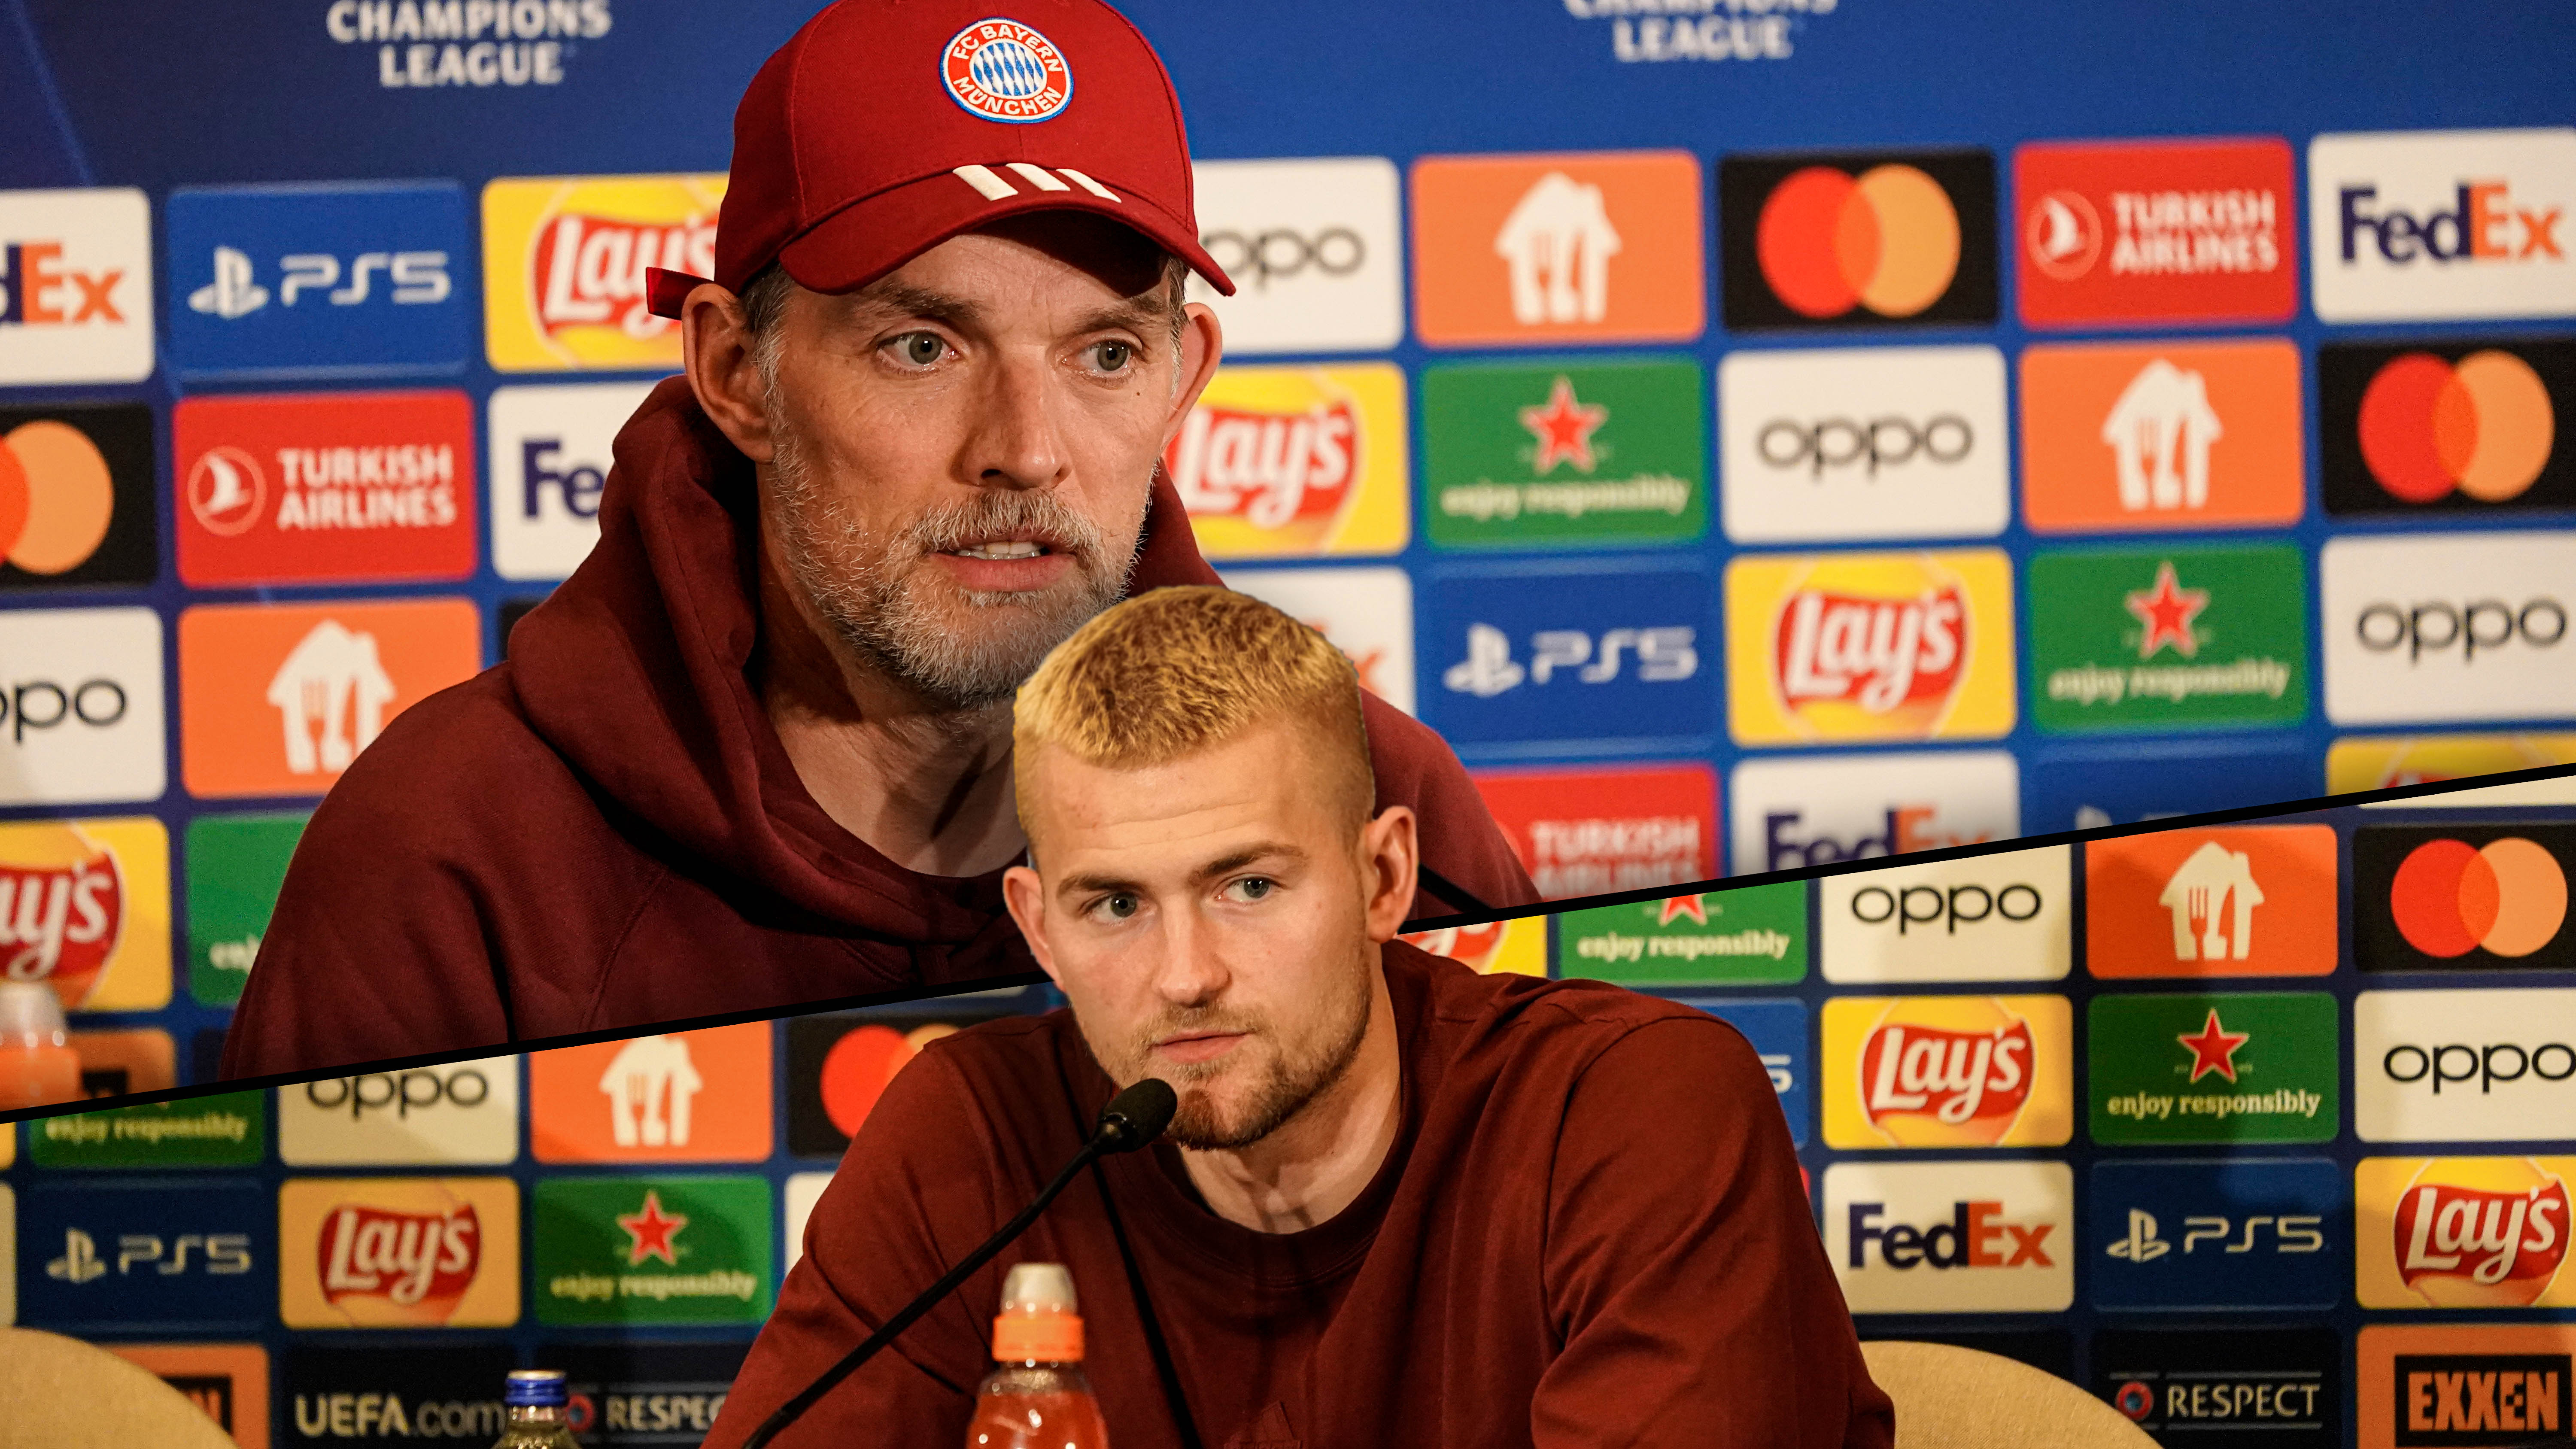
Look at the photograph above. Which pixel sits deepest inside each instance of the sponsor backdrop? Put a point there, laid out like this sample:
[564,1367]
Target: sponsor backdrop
[2264,1131]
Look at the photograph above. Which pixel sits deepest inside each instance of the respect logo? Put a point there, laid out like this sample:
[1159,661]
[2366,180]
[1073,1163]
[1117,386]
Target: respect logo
[2461,1232]
[1585,246]
[1947,1071]
[2243,900]
[2161,436]
[2177,639]
[2192,232]
[564,260]
[398,1252]
[76,497]
[1280,461]
[278,699]
[2458,427]
[1858,239]
[2256,1067]
[85,908]
[1839,647]
[1564,457]
[1751,935]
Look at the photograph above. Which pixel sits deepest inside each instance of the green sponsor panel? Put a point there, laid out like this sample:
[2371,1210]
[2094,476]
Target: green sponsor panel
[1582,455]
[1749,936]
[2239,1067]
[2166,639]
[235,865]
[675,1250]
[225,1131]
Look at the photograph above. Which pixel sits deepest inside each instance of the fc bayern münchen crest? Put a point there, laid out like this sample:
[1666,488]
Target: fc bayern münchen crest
[1004,71]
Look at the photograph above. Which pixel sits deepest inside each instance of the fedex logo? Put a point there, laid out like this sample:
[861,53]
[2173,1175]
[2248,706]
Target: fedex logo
[1791,813]
[2442,224]
[75,286]
[1951,1237]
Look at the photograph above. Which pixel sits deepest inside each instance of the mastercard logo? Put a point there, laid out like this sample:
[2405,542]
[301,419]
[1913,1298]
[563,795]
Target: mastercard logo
[1886,240]
[56,497]
[2508,897]
[859,1065]
[2482,425]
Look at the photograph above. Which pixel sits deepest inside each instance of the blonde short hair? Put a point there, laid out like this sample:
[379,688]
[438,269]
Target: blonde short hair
[1177,670]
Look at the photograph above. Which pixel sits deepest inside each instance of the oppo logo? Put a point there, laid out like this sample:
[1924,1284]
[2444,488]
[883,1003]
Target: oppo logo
[43,704]
[1881,441]
[2437,628]
[399,1092]
[1336,251]
[2484,1065]
[1949,908]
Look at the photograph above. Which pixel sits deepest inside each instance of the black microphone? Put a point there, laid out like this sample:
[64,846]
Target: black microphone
[1133,1119]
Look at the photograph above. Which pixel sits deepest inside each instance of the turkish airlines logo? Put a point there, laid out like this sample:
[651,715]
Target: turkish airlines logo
[2155,231]
[384,1265]
[324,488]
[2481,1232]
[1584,832]
[1858,239]
[1971,1078]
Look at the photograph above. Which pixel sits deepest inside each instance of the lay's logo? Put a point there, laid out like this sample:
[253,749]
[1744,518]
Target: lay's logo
[564,261]
[411,1252]
[1946,1071]
[2462,1232]
[1870,647]
[1279,461]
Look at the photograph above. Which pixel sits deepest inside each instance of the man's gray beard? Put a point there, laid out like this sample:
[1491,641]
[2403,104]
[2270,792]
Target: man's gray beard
[1290,1084]
[873,594]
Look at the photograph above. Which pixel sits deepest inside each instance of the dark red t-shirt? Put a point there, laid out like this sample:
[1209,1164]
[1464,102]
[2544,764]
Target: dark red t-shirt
[1590,1231]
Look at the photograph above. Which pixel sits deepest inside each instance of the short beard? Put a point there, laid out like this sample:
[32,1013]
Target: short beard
[873,594]
[1289,1085]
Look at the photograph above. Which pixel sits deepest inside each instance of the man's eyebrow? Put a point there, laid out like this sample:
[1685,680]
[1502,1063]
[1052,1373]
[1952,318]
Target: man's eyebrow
[1094,884]
[889,300]
[1136,314]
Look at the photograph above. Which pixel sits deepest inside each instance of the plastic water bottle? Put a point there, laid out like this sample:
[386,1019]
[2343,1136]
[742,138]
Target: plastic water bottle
[37,1063]
[535,1400]
[1036,1396]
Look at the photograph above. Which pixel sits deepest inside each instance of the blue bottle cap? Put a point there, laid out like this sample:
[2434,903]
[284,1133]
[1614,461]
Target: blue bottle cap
[534,1388]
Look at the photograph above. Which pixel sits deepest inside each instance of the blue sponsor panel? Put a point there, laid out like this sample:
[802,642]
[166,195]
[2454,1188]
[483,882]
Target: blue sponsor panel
[354,280]
[147,1253]
[2204,1234]
[1607,656]
[1778,1031]
[2083,789]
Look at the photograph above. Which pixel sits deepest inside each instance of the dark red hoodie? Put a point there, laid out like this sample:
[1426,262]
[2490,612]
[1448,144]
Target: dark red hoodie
[604,831]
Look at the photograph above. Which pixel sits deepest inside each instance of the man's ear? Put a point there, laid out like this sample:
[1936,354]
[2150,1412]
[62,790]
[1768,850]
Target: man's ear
[716,348]
[1202,343]
[1025,894]
[1389,856]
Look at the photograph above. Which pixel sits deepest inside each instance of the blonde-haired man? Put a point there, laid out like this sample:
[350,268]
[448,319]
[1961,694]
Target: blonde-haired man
[1401,1203]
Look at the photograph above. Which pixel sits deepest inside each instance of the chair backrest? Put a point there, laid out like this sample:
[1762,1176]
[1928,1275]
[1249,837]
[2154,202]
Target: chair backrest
[62,1393]
[1959,1398]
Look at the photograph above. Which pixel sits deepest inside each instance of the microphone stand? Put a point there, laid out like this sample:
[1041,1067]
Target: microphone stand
[1133,1119]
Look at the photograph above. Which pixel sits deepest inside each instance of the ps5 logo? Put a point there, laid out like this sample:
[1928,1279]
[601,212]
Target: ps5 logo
[2293,1233]
[1662,656]
[225,1254]
[416,279]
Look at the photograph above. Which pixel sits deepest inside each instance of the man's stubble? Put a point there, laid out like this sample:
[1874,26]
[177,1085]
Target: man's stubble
[1293,1078]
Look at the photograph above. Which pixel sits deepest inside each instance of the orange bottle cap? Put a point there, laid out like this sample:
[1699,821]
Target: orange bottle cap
[1041,1337]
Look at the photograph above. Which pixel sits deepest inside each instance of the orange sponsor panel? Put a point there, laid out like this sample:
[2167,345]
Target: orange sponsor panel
[2242,900]
[227,1380]
[1577,247]
[689,1096]
[2465,1383]
[2162,436]
[277,699]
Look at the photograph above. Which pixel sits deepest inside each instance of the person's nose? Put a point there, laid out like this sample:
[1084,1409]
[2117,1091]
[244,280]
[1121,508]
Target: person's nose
[1015,441]
[1192,970]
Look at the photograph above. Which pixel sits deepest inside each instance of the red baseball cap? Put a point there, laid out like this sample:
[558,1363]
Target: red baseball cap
[885,127]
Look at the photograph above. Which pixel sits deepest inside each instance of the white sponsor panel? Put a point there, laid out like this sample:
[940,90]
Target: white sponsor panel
[2464,1066]
[1313,248]
[1863,442]
[75,286]
[1792,813]
[2451,626]
[2440,224]
[81,707]
[1952,1237]
[2006,917]
[1366,612]
[2554,790]
[551,448]
[804,1189]
[457,1112]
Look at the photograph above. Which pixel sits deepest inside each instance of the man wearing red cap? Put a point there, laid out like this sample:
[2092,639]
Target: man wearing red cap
[755,751]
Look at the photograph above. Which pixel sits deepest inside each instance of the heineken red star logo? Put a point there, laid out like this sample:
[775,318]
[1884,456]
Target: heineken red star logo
[2214,1050]
[1679,906]
[2167,610]
[1564,428]
[652,1229]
